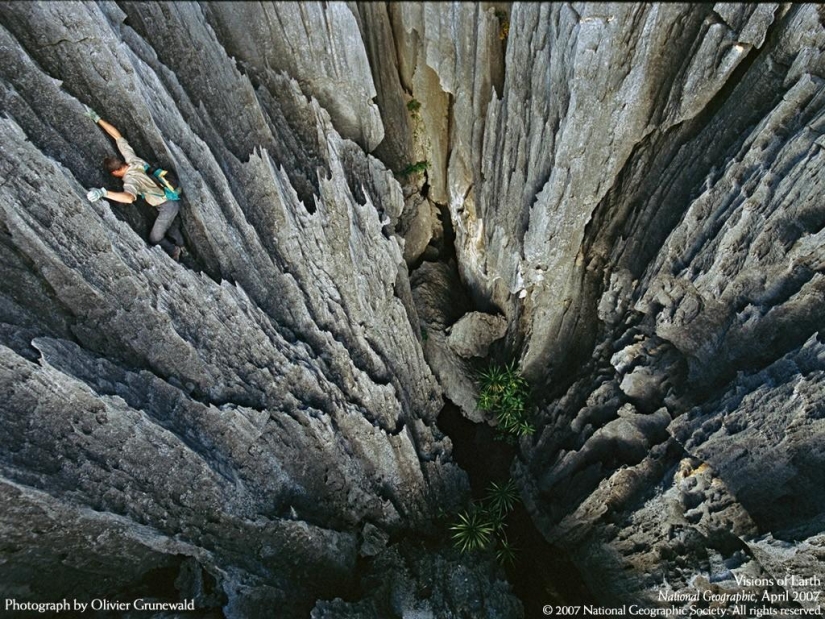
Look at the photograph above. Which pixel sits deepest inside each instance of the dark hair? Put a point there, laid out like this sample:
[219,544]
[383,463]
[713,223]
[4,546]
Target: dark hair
[113,164]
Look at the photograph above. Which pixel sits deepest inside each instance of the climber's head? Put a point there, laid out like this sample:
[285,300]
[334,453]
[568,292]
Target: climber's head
[115,166]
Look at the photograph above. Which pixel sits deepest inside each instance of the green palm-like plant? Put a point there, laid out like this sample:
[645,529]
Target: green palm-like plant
[493,379]
[525,428]
[472,531]
[496,520]
[507,420]
[486,401]
[506,553]
[502,498]
[505,393]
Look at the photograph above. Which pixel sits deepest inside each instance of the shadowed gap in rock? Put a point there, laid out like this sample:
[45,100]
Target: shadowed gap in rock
[541,574]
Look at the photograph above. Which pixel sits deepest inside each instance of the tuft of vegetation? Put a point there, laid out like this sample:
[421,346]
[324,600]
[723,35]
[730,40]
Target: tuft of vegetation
[414,168]
[482,525]
[505,393]
[506,553]
[472,531]
[502,498]
[413,105]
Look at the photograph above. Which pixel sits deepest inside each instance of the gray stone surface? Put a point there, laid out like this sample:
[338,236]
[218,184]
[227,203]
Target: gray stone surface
[636,188]
[250,412]
[410,580]
[396,149]
[449,59]
[441,302]
[319,44]
[694,299]
[416,227]
[473,333]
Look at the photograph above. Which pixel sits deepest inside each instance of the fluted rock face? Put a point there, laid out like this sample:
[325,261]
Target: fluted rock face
[635,195]
[244,419]
[320,44]
[685,261]
[644,210]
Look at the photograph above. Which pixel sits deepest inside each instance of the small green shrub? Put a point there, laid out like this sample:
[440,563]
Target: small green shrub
[506,553]
[472,531]
[414,168]
[482,524]
[502,498]
[505,393]
[413,105]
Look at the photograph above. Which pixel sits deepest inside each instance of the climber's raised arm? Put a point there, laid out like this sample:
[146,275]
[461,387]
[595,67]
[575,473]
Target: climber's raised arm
[110,129]
[107,127]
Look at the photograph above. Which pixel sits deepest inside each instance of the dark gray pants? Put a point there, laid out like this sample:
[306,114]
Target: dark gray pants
[166,216]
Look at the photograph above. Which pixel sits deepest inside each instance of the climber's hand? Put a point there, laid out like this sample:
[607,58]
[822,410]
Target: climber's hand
[92,114]
[96,194]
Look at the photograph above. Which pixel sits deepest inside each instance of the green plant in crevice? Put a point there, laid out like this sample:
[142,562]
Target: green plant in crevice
[525,428]
[502,498]
[413,105]
[506,393]
[506,552]
[414,168]
[497,520]
[483,524]
[472,531]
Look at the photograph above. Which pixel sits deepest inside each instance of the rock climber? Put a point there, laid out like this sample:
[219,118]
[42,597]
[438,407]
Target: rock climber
[137,183]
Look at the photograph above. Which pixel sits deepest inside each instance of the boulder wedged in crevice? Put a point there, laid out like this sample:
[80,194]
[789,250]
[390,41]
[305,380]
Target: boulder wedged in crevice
[441,302]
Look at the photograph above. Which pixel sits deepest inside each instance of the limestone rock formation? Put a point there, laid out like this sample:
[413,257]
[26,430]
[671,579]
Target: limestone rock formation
[244,418]
[411,581]
[691,291]
[474,332]
[634,191]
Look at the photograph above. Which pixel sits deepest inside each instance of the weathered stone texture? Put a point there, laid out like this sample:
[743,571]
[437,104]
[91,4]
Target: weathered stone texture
[636,189]
[412,581]
[473,334]
[450,57]
[317,43]
[686,328]
[252,412]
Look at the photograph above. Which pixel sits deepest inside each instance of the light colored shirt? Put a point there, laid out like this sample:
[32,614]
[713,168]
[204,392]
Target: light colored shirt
[136,182]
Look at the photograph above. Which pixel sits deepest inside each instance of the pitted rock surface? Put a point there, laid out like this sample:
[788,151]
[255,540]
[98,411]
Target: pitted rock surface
[636,189]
